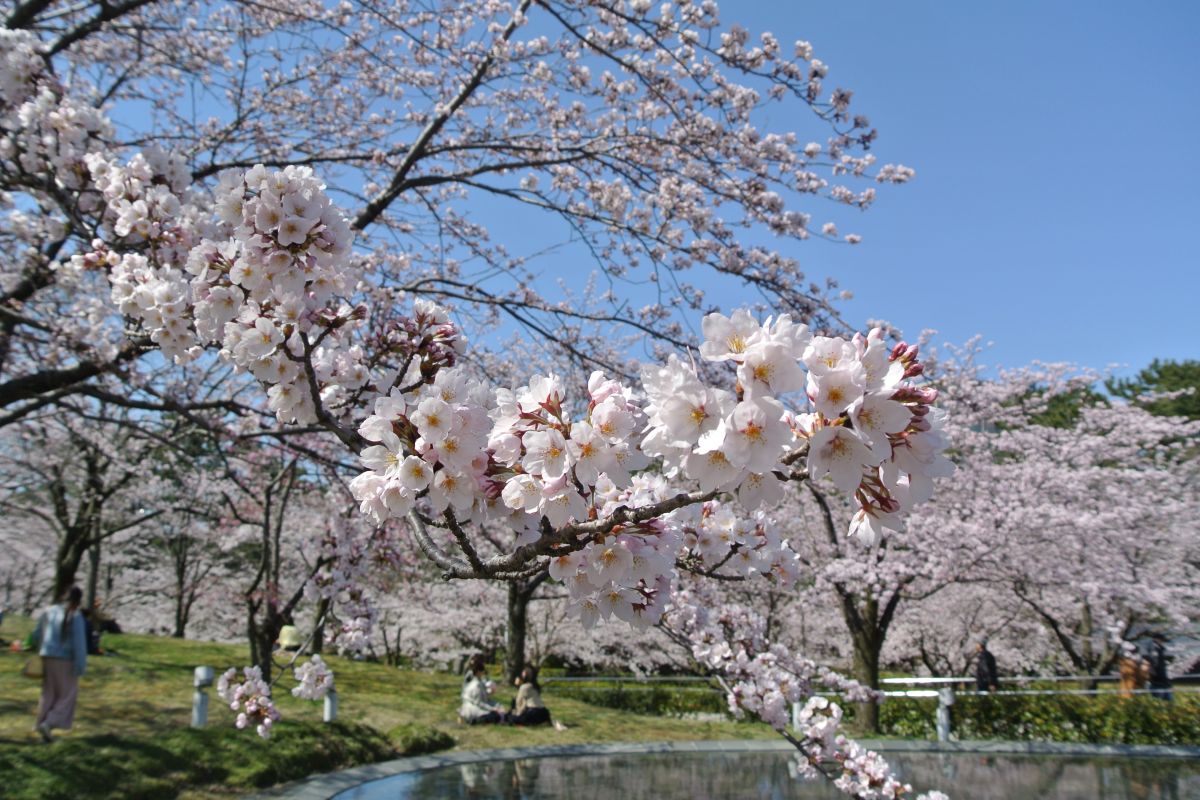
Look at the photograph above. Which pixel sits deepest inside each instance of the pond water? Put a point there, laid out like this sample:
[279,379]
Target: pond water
[723,776]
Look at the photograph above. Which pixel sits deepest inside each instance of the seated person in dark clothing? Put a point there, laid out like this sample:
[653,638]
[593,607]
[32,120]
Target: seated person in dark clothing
[91,631]
[528,708]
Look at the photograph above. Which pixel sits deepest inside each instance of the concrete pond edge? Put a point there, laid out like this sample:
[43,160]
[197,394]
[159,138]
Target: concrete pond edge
[327,786]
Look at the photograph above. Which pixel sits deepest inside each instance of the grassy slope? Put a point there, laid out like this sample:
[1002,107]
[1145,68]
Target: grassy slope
[135,706]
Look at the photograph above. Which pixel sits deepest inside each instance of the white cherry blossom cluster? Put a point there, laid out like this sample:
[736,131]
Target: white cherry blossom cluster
[315,679]
[860,773]
[152,225]
[269,294]
[250,696]
[540,468]
[44,132]
[629,574]
[626,574]
[20,65]
[554,462]
[874,432]
[870,429]
[765,679]
[431,441]
[732,441]
[726,540]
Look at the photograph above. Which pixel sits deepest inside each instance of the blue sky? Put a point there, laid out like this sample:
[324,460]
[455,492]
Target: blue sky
[1054,210]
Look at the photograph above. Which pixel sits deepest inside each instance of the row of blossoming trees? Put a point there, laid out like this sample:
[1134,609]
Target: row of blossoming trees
[246,246]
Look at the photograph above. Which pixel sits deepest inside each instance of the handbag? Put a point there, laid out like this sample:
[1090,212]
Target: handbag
[33,668]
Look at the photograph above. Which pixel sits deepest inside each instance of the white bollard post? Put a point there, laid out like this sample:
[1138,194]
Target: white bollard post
[945,701]
[202,678]
[331,706]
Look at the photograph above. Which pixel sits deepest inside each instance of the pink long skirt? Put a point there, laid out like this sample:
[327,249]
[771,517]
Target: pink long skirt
[59,689]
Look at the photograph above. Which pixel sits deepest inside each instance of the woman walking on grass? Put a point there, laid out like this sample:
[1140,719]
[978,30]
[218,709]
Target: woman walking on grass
[61,640]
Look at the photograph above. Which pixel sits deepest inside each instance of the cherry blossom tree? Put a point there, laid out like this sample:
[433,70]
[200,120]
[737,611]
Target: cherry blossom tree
[938,635]
[84,480]
[639,129]
[1110,511]
[476,105]
[27,571]
[263,499]
[1076,514]
[179,558]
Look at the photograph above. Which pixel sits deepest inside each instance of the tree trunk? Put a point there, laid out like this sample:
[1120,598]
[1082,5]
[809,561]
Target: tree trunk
[1085,646]
[181,616]
[262,635]
[318,638]
[66,564]
[93,583]
[519,595]
[866,671]
[178,548]
[31,596]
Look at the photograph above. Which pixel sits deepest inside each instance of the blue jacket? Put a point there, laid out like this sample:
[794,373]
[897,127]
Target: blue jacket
[51,642]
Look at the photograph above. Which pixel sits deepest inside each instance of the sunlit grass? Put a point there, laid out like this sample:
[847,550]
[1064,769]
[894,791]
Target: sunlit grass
[135,706]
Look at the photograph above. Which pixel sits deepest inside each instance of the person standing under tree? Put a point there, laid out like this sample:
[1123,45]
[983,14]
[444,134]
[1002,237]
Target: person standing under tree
[61,640]
[986,679]
[1160,681]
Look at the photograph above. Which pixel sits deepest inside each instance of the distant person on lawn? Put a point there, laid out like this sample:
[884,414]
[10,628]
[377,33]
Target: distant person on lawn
[1160,679]
[528,708]
[478,708]
[986,679]
[61,640]
[1134,671]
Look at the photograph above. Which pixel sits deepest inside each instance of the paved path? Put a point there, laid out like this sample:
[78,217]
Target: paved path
[324,787]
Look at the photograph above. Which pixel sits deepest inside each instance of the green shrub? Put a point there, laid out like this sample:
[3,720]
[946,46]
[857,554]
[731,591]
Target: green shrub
[414,739]
[1063,718]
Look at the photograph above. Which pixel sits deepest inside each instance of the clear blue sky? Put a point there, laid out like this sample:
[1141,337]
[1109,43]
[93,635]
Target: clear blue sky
[1055,209]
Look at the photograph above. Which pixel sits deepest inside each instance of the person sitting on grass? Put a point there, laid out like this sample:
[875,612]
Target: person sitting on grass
[528,708]
[290,639]
[478,708]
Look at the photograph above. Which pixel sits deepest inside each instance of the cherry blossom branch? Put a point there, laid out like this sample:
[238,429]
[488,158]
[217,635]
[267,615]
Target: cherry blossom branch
[380,202]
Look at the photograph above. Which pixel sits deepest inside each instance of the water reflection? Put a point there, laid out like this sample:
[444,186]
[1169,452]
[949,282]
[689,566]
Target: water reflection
[721,776]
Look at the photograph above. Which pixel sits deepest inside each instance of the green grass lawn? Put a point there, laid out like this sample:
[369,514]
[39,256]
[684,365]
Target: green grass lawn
[131,736]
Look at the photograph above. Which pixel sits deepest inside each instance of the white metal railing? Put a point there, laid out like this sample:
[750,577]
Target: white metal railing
[945,693]
[1025,679]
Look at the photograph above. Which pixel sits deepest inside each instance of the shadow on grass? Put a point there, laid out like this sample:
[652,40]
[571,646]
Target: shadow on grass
[109,766]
